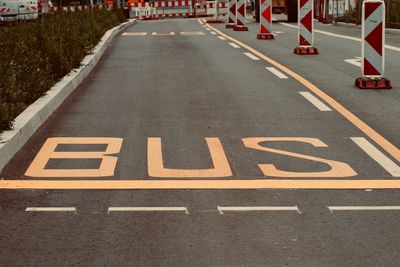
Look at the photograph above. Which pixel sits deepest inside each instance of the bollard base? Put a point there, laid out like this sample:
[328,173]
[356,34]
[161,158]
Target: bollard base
[214,21]
[240,28]
[373,83]
[229,26]
[306,51]
[265,36]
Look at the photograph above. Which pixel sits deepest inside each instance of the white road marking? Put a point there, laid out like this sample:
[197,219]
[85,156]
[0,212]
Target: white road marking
[213,33]
[250,55]
[208,29]
[234,45]
[193,33]
[221,209]
[361,208]
[51,209]
[354,61]
[134,33]
[378,156]
[163,34]
[116,209]
[222,38]
[200,21]
[315,101]
[277,73]
[391,47]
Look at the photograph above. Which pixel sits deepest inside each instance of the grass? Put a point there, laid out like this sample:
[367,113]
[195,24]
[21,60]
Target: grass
[37,54]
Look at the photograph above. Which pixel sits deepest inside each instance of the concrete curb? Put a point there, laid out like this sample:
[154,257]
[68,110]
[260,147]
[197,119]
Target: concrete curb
[36,114]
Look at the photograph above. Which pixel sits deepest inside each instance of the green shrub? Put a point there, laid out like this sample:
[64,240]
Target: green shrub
[37,54]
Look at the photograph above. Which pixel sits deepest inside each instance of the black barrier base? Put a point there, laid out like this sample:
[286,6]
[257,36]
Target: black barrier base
[240,28]
[214,21]
[229,26]
[306,51]
[265,36]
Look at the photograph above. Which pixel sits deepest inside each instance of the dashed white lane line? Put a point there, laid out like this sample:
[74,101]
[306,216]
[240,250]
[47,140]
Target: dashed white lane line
[51,209]
[222,38]
[354,61]
[394,48]
[332,209]
[315,101]
[134,34]
[277,73]
[378,156]
[250,55]
[200,22]
[163,34]
[234,45]
[193,33]
[213,33]
[221,209]
[207,29]
[151,209]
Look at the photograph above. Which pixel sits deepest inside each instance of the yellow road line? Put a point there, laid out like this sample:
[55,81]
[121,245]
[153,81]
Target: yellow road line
[200,184]
[366,129]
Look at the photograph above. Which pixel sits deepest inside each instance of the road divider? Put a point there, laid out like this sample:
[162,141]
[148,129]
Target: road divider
[306,28]
[265,20]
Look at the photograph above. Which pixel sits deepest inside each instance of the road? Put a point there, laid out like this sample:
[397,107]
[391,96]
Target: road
[212,159]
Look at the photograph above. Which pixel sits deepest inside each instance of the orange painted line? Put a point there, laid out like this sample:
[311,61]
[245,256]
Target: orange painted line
[366,129]
[200,184]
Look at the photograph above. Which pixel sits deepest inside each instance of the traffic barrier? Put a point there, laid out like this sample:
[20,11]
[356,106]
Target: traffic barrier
[231,14]
[373,47]
[160,9]
[216,8]
[240,16]
[265,20]
[306,29]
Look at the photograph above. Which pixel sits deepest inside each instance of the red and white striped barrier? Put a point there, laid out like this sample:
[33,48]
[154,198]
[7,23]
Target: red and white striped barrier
[231,14]
[265,20]
[306,28]
[216,9]
[240,16]
[161,9]
[373,46]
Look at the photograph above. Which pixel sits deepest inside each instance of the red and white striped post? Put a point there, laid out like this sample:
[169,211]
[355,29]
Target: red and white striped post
[373,46]
[306,28]
[240,16]
[265,20]
[231,14]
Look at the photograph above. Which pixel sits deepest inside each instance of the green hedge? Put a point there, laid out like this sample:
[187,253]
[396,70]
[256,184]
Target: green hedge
[37,54]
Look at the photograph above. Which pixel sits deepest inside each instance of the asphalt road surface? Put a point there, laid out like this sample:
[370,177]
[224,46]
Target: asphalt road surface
[190,144]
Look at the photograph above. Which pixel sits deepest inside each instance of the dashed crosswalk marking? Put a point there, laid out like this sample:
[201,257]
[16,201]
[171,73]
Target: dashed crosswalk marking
[148,209]
[234,45]
[332,209]
[277,73]
[250,55]
[315,101]
[51,209]
[222,38]
[378,156]
[222,209]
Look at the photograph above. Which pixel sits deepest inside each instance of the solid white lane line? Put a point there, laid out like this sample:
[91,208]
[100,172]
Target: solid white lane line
[180,209]
[395,48]
[234,45]
[51,209]
[315,101]
[222,38]
[221,209]
[277,73]
[378,156]
[250,55]
[361,208]
[213,33]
